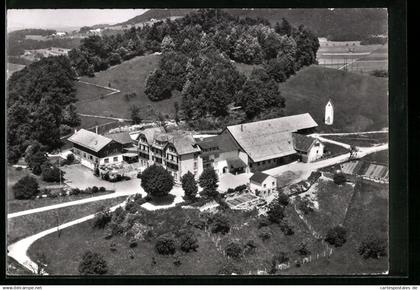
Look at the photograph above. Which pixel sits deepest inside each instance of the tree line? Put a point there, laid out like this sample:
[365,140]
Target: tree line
[40,105]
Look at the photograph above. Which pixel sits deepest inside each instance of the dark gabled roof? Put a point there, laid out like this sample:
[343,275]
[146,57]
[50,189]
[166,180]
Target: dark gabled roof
[120,137]
[90,140]
[224,142]
[302,143]
[259,177]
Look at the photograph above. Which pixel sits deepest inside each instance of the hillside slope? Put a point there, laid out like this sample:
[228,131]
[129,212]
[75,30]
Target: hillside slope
[360,101]
[128,77]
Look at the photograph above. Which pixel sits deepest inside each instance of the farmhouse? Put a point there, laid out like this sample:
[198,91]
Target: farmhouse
[94,150]
[261,183]
[223,154]
[178,152]
[270,143]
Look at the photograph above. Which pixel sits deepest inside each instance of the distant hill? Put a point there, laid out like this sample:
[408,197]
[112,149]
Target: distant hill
[338,24]
[156,14]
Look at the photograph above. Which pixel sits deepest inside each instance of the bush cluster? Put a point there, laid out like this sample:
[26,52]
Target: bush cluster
[93,264]
[26,188]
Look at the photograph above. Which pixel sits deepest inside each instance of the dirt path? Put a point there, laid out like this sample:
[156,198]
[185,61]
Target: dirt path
[105,117]
[19,250]
[113,91]
[66,204]
[348,133]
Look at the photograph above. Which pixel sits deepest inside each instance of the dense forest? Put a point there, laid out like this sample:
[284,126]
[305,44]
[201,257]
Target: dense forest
[40,105]
[339,24]
[198,52]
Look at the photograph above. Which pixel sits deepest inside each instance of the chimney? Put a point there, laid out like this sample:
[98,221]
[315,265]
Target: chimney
[96,129]
[242,127]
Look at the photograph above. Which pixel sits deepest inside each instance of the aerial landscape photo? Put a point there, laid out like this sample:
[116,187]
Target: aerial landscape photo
[197,142]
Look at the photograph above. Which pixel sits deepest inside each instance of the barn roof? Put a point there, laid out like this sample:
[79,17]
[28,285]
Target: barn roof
[259,177]
[302,142]
[272,138]
[120,137]
[90,140]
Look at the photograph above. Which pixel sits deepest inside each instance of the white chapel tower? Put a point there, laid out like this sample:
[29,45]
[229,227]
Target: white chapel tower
[329,113]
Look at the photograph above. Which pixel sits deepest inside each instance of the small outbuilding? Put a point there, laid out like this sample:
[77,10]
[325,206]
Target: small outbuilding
[262,183]
[309,149]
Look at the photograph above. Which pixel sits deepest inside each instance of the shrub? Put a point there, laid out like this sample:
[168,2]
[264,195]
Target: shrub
[74,191]
[133,243]
[379,73]
[156,181]
[92,264]
[165,245]
[95,189]
[250,247]
[229,269]
[209,193]
[220,224]
[305,205]
[276,260]
[240,188]
[51,173]
[336,236]
[339,178]
[302,250]
[263,222]
[372,247]
[283,199]
[275,213]
[188,242]
[102,189]
[233,250]
[286,229]
[102,218]
[70,158]
[265,233]
[26,188]
[96,173]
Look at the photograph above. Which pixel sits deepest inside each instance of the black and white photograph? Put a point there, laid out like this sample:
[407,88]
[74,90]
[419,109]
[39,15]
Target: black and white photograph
[197,141]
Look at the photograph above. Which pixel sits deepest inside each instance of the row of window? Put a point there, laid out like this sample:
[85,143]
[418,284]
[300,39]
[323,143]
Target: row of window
[264,162]
[115,159]
[210,149]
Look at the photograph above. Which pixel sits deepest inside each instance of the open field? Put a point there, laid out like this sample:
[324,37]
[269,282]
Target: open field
[381,157]
[360,101]
[86,92]
[128,77]
[208,259]
[367,214]
[23,226]
[352,56]
[331,201]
